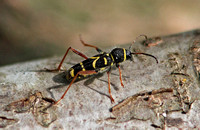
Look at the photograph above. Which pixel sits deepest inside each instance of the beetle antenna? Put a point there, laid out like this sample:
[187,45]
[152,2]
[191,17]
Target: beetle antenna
[146,55]
[142,35]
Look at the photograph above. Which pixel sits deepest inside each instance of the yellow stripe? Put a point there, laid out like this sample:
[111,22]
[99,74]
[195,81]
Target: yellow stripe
[93,57]
[94,63]
[124,54]
[105,61]
[102,69]
[112,57]
[83,69]
[72,72]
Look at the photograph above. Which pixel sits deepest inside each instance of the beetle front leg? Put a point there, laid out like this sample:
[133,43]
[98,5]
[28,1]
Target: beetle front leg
[109,90]
[120,75]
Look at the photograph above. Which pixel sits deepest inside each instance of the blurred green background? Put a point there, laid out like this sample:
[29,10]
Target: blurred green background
[33,29]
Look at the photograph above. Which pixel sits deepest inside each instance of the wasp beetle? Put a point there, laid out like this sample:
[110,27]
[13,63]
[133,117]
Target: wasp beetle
[101,62]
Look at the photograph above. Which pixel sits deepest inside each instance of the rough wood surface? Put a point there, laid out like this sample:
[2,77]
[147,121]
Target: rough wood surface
[27,92]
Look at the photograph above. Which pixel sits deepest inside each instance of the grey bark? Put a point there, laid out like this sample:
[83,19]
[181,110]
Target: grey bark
[163,95]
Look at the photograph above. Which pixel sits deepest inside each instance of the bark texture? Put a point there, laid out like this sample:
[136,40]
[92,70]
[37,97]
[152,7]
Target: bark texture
[163,95]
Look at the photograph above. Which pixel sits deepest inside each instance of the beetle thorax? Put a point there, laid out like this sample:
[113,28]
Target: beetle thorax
[120,55]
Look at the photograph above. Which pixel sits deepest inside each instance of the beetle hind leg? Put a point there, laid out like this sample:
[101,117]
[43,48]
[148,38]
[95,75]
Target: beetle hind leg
[75,77]
[59,66]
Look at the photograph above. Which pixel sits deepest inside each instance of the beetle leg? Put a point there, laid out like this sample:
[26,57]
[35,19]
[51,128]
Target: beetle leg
[85,44]
[120,76]
[109,90]
[79,73]
[75,51]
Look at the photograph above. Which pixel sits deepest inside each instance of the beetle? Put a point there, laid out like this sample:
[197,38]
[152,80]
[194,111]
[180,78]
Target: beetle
[99,63]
